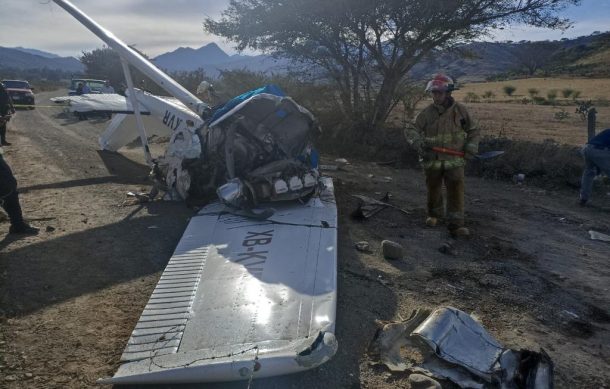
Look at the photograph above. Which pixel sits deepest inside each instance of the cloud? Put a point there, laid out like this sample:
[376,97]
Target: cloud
[158,26]
[154,26]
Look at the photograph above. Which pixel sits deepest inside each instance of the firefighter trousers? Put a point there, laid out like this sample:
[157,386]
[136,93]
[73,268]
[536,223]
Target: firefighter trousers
[453,180]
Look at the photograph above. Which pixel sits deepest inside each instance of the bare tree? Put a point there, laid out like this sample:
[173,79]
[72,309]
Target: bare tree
[367,47]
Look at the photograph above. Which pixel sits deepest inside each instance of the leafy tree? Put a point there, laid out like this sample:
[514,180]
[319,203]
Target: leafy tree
[367,47]
[104,64]
[532,56]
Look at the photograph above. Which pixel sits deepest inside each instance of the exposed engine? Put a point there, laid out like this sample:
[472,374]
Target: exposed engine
[257,148]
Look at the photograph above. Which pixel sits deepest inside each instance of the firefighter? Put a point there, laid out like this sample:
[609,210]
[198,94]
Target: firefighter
[445,136]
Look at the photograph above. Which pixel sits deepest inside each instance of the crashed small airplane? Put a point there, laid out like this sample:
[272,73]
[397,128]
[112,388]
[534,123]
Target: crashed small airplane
[251,288]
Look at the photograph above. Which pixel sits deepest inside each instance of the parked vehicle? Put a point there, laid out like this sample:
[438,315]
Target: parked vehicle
[21,93]
[94,85]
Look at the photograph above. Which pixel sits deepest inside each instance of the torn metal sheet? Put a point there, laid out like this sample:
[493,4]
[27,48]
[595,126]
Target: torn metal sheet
[453,346]
[474,348]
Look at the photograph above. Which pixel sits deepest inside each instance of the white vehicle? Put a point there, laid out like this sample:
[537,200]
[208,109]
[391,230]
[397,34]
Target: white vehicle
[251,288]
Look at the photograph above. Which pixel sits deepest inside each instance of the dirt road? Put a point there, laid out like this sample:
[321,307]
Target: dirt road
[69,298]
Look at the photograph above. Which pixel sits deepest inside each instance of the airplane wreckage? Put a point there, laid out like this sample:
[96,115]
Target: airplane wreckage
[251,289]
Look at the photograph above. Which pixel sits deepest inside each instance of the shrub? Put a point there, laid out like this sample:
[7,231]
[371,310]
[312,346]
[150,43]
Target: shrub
[551,95]
[488,95]
[567,92]
[525,101]
[533,92]
[562,115]
[539,100]
[472,97]
[509,90]
[575,95]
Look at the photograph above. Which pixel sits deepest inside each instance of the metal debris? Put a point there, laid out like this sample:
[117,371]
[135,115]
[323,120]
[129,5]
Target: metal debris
[368,207]
[453,346]
[599,236]
[363,246]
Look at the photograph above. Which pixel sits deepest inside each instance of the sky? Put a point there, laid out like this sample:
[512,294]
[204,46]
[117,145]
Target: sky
[159,26]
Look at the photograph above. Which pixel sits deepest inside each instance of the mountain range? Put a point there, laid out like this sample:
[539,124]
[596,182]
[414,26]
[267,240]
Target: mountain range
[27,59]
[585,56]
[213,59]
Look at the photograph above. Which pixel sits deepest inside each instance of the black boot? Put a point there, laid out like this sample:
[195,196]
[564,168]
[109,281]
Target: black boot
[23,229]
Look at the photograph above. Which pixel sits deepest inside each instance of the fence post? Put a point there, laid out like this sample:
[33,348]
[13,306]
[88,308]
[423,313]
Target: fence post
[591,117]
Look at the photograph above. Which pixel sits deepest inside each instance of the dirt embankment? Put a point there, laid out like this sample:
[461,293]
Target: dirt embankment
[70,297]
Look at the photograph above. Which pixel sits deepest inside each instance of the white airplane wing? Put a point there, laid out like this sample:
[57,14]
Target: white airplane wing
[112,103]
[241,298]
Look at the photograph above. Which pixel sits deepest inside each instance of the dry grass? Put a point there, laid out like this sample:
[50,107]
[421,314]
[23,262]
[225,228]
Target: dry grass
[593,89]
[535,122]
[508,117]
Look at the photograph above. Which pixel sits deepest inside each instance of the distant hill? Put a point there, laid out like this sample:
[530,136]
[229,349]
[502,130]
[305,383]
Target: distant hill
[187,58]
[23,60]
[37,52]
[583,56]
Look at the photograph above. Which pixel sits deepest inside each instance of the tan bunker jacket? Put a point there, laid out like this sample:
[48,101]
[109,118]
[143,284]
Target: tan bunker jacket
[438,126]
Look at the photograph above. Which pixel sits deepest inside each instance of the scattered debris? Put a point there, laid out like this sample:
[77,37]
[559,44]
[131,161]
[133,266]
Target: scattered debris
[454,346]
[368,207]
[383,281]
[329,168]
[341,162]
[489,154]
[420,381]
[363,246]
[448,249]
[599,236]
[387,163]
[136,199]
[391,250]
[519,178]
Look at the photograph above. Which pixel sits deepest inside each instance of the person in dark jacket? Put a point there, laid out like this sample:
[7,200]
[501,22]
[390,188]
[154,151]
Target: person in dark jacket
[6,108]
[9,198]
[597,159]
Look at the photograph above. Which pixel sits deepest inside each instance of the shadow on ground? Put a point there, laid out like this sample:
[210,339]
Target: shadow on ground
[59,269]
